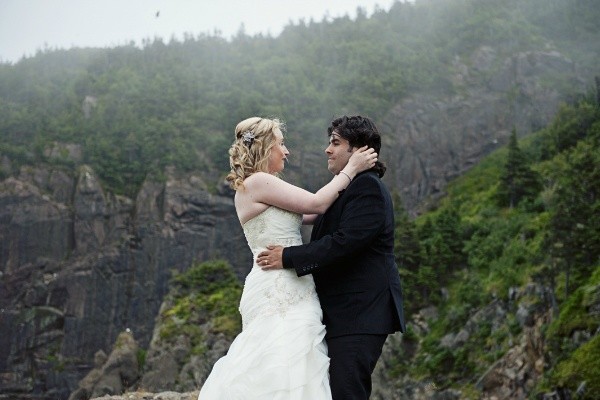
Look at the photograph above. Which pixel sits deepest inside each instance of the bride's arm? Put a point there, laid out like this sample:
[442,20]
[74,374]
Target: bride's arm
[268,189]
[309,219]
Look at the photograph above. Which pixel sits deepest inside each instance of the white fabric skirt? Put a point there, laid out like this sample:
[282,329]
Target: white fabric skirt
[280,353]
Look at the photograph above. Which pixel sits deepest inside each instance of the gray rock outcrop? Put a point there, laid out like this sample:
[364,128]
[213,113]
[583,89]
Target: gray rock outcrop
[112,374]
[78,265]
[152,396]
[432,138]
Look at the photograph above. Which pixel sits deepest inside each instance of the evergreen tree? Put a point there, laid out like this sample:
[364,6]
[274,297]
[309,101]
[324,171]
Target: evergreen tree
[407,247]
[597,80]
[518,181]
[407,251]
[449,227]
[426,230]
[574,238]
[432,272]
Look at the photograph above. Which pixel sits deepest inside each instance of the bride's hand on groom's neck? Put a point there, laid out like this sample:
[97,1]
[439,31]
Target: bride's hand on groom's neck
[362,159]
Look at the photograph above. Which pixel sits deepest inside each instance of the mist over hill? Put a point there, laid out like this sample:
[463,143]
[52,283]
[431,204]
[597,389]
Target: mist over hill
[135,111]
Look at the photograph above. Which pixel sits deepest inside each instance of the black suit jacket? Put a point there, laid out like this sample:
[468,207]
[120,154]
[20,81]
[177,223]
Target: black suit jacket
[351,257]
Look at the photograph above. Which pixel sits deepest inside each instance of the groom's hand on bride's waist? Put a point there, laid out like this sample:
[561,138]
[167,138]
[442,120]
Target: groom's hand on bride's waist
[270,258]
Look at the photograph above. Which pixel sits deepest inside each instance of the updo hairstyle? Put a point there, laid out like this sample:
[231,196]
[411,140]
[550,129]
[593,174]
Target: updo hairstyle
[251,149]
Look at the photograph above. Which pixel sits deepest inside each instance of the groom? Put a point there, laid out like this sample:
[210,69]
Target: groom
[351,257]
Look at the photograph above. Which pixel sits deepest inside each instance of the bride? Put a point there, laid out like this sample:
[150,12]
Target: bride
[280,353]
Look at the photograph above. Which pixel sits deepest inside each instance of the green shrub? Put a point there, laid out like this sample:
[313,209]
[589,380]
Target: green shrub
[207,292]
[141,358]
[574,315]
[582,366]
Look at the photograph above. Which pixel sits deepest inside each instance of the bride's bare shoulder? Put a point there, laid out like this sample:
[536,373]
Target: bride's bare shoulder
[257,179]
[252,187]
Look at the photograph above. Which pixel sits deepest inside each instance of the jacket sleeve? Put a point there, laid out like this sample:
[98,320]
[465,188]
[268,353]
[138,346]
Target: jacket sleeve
[362,219]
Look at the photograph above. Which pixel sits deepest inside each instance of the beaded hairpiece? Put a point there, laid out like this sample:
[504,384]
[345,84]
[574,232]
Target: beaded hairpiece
[248,138]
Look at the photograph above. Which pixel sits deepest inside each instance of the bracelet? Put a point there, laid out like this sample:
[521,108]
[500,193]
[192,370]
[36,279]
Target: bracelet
[347,176]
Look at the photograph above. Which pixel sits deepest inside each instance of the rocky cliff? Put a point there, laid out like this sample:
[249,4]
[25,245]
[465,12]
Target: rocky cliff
[79,265]
[433,138]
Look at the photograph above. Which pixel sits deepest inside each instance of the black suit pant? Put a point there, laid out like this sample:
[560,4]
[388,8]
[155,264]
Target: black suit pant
[353,359]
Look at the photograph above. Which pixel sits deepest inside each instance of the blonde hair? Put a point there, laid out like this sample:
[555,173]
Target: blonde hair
[251,149]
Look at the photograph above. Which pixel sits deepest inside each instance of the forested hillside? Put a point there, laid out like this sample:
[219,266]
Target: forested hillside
[135,110]
[111,181]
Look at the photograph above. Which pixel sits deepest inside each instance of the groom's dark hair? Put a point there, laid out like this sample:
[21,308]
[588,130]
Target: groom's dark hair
[359,131]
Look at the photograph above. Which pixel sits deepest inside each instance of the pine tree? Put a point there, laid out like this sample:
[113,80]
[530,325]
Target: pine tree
[518,181]
[407,250]
[597,80]
[449,227]
[574,240]
[407,247]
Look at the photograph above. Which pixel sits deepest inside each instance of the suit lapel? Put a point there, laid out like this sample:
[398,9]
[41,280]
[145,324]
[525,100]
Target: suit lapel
[317,227]
[323,223]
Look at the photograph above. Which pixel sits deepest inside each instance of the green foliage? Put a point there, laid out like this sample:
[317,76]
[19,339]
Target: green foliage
[573,198]
[574,314]
[407,247]
[407,250]
[468,290]
[439,247]
[518,182]
[141,358]
[570,126]
[450,230]
[207,292]
[177,103]
[206,278]
[582,366]
[552,239]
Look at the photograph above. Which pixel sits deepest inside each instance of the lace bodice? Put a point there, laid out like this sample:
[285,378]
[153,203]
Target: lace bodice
[269,293]
[273,226]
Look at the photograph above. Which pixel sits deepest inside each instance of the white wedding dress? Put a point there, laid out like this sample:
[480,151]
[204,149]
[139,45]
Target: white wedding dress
[280,353]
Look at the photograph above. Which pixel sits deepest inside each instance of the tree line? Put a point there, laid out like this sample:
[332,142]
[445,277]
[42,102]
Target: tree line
[177,102]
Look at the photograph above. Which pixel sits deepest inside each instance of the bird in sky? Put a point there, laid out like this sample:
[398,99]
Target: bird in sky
[157,14]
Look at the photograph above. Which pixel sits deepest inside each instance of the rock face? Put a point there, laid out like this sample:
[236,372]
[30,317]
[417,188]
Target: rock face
[432,139]
[112,374]
[189,334]
[428,139]
[510,377]
[152,396]
[79,265]
[176,368]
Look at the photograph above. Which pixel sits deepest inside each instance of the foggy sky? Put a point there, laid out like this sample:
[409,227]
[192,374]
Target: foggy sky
[30,25]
